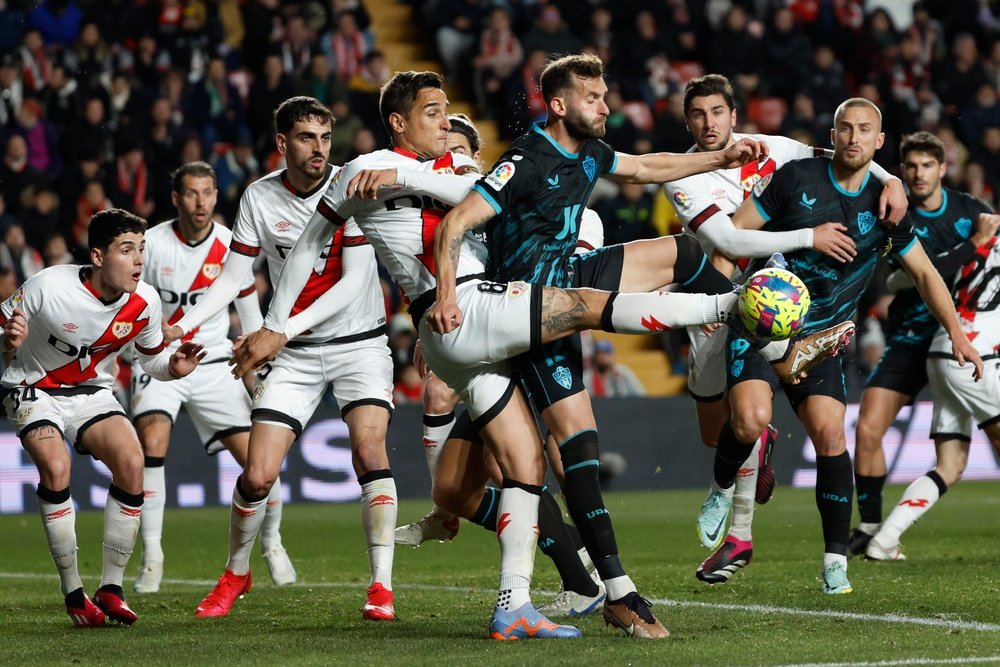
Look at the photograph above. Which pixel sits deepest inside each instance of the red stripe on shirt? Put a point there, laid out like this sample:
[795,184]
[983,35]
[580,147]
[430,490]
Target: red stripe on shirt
[244,249]
[698,220]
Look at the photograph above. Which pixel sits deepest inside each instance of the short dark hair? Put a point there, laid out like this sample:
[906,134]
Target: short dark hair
[710,84]
[197,169]
[400,92]
[922,142]
[558,76]
[299,108]
[107,225]
[462,124]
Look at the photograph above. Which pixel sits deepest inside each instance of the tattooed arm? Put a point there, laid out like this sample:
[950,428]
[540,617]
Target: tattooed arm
[445,315]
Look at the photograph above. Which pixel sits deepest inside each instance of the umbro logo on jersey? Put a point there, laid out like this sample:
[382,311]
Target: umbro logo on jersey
[69,327]
[283,226]
[808,203]
[553,182]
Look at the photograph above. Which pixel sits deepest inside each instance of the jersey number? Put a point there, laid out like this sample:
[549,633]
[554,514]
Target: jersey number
[25,395]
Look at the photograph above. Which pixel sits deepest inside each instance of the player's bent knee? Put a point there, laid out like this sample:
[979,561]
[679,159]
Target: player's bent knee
[54,473]
[439,399]
[869,436]
[258,483]
[749,421]
[828,439]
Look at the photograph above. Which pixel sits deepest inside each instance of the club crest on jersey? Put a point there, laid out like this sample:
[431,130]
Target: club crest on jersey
[500,175]
[211,271]
[563,377]
[517,288]
[682,200]
[259,390]
[121,329]
[964,227]
[737,368]
[17,297]
[24,413]
[755,183]
[590,167]
[866,220]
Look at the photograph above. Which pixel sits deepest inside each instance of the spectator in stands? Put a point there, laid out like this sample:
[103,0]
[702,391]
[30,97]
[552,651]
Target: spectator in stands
[525,103]
[956,79]
[992,64]
[355,7]
[364,143]
[127,111]
[150,63]
[342,133]
[318,81]
[929,35]
[57,20]
[606,378]
[41,138]
[601,36]
[296,48]
[5,217]
[92,135]
[127,182]
[500,55]
[988,156]
[981,112]
[974,182]
[456,25]
[56,251]
[735,52]
[670,131]
[36,67]
[11,91]
[221,108]
[90,201]
[826,84]
[18,178]
[90,58]
[12,22]
[619,132]
[876,45]
[786,55]
[365,88]
[801,119]
[41,217]
[235,169]
[628,215]
[638,56]
[17,256]
[266,93]
[61,100]
[551,34]
[346,47]
[907,74]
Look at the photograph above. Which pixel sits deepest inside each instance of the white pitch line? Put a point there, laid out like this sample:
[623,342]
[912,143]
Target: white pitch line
[907,661]
[753,608]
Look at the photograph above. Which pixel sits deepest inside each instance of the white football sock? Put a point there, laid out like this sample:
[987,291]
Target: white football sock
[774,350]
[744,496]
[245,520]
[59,522]
[618,587]
[433,441]
[517,533]
[270,535]
[829,559]
[378,516]
[919,497]
[151,524]
[121,527]
[654,311]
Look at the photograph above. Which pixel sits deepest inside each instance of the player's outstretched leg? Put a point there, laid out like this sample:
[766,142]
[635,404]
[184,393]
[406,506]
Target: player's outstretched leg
[279,565]
[121,527]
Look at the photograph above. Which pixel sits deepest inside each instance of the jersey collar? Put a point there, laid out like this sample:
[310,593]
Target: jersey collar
[537,127]
[305,195]
[935,213]
[85,279]
[847,193]
[175,224]
[409,154]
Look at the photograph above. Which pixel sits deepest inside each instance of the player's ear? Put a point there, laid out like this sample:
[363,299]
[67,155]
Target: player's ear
[280,142]
[833,137]
[97,257]
[558,105]
[880,140]
[397,122]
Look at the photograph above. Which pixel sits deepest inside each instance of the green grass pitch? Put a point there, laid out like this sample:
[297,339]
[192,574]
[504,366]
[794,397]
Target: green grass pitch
[942,606]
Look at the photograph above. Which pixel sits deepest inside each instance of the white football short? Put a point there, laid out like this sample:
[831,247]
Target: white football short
[707,364]
[70,411]
[361,374]
[960,403]
[499,322]
[218,403]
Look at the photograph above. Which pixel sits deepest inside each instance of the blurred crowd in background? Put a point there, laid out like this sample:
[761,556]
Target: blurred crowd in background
[100,101]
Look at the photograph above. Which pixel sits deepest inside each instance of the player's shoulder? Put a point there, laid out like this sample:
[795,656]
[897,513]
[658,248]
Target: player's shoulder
[264,185]
[60,276]
[221,232]
[147,292]
[966,203]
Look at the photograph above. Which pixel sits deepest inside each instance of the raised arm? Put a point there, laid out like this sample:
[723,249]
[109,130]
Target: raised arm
[665,167]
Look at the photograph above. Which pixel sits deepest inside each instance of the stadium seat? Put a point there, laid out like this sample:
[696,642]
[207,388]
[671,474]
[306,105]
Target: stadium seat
[767,113]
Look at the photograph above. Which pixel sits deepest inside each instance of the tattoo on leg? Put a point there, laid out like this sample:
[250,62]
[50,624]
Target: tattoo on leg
[562,310]
[45,433]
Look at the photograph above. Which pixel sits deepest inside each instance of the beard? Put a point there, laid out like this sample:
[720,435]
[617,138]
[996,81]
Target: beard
[579,128]
[719,144]
[854,162]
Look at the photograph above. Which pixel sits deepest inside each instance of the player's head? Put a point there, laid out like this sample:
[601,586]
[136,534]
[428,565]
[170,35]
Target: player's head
[923,165]
[574,90]
[194,193]
[463,137]
[710,111]
[857,133]
[414,109]
[302,133]
[115,240]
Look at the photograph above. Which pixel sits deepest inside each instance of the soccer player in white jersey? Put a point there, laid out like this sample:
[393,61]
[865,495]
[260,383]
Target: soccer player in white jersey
[704,204]
[338,336]
[66,327]
[500,320]
[959,401]
[184,256]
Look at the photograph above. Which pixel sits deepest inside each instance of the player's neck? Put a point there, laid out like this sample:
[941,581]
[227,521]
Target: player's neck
[303,183]
[401,142]
[96,279]
[933,202]
[190,233]
[561,136]
[850,179]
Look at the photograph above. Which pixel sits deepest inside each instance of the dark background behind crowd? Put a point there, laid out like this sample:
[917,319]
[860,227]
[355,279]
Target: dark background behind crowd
[100,101]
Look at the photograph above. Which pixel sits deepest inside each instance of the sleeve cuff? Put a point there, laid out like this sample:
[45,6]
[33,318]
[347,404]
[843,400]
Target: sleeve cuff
[760,209]
[497,209]
[907,248]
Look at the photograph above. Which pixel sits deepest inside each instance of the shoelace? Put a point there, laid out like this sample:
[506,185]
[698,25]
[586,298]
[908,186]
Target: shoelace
[641,607]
